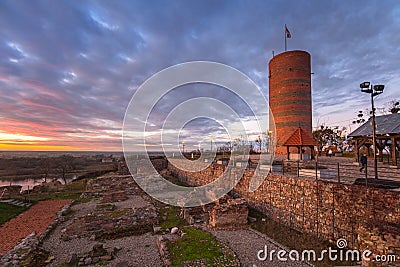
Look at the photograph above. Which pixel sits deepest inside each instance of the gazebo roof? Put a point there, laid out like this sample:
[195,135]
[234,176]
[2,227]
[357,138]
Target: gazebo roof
[300,138]
[386,124]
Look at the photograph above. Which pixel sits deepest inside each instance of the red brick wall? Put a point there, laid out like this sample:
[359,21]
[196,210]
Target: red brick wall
[290,94]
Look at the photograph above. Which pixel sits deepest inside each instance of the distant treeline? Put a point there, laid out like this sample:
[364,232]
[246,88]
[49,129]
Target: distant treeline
[64,166]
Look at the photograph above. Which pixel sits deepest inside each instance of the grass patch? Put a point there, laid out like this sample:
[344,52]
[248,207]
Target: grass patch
[82,200]
[115,213]
[55,196]
[195,245]
[7,212]
[71,191]
[173,219]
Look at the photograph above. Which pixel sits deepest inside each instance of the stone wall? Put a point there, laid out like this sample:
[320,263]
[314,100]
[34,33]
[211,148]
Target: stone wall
[368,218]
[230,215]
[158,164]
[10,191]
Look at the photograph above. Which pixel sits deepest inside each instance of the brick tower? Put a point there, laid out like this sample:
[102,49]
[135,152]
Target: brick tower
[290,95]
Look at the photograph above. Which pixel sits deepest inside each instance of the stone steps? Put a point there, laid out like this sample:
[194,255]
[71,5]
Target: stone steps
[16,202]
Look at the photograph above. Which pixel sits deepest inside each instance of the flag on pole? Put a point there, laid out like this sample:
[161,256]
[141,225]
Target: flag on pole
[288,35]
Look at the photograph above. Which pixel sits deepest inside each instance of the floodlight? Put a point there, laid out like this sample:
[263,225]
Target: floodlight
[379,87]
[365,85]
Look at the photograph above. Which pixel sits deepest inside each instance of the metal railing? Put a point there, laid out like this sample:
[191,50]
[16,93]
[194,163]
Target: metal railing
[339,172]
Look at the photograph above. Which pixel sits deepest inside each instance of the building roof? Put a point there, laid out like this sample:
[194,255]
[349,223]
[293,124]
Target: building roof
[300,138]
[386,124]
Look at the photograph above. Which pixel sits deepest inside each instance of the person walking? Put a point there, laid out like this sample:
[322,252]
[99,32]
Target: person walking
[363,162]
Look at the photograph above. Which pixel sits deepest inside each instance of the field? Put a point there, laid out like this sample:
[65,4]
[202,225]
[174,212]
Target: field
[50,166]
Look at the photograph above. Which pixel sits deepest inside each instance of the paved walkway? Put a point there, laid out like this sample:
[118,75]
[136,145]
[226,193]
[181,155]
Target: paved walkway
[36,219]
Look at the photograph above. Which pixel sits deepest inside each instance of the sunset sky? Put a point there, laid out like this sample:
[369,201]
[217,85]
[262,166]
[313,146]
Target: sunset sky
[69,68]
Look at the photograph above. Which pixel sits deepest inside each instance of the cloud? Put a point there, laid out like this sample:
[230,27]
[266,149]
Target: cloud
[69,68]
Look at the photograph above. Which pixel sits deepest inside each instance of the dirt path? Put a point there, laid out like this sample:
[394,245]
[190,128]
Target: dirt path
[247,243]
[36,219]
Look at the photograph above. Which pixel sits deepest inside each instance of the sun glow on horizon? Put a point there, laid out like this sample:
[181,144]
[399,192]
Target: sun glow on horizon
[11,137]
[25,147]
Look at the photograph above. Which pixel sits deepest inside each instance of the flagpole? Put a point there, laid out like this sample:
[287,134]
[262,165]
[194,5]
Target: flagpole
[285,39]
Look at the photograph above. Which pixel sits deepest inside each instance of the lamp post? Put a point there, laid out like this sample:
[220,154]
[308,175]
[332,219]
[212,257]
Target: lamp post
[269,141]
[211,142]
[373,90]
[183,147]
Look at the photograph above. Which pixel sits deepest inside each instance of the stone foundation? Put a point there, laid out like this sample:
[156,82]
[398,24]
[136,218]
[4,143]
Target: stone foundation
[232,214]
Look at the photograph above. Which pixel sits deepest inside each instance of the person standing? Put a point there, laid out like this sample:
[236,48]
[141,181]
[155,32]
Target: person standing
[363,162]
[330,152]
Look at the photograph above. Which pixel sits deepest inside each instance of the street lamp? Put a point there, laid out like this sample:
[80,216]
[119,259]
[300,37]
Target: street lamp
[269,141]
[183,147]
[373,90]
[211,142]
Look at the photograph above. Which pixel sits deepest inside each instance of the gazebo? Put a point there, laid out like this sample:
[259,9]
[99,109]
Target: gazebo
[387,136]
[300,139]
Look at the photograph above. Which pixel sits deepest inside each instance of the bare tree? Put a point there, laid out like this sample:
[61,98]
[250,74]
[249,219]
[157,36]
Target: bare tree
[65,164]
[45,166]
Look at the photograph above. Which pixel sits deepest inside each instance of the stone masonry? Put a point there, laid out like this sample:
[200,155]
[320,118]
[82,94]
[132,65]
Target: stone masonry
[365,217]
[232,214]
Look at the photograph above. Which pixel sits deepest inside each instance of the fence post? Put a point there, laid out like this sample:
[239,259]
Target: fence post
[338,172]
[298,168]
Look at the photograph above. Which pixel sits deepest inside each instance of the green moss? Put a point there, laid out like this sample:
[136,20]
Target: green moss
[81,200]
[173,219]
[116,213]
[56,196]
[7,212]
[195,245]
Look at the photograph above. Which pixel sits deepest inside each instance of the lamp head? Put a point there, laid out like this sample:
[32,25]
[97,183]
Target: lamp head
[365,85]
[379,88]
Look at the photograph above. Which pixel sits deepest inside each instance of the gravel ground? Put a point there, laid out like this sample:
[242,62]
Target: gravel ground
[133,202]
[62,249]
[246,244]
[135,250]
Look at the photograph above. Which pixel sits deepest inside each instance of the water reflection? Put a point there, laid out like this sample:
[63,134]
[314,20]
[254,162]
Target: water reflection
[30,183]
